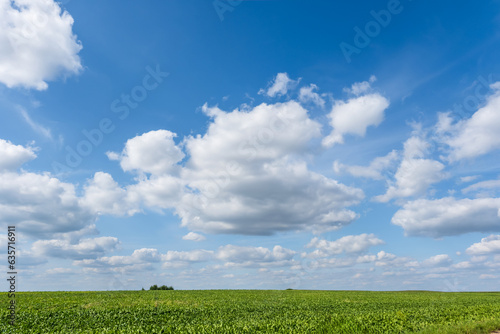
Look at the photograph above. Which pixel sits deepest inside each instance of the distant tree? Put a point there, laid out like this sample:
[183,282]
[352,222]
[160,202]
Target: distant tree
[163,287]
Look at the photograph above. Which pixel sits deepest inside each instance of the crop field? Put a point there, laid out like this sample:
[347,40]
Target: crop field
[253,311]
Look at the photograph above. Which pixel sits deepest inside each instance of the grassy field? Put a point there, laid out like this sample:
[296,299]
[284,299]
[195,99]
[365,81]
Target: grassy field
[253,311]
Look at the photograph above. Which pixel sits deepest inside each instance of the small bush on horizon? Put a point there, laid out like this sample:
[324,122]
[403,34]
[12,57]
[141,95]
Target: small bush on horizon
[163,287]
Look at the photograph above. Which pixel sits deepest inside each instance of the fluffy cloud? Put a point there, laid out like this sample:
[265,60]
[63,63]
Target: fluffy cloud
[138,257]
[246,175]
[36,43]
[104,196]
[448,216]
[355,115]
[196,255]
[13,156]
[41,205]
[229,255]
[253,256]
[373,171]
[84,249]
[475,136]
[154,152]
[363,87]
[280,86]
[308,94]
[413,177]
[488,245]
[437,260]
[348,244]
[415,174]
[193,237]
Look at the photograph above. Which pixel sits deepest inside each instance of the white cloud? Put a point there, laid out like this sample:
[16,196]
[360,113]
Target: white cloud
[154,152]
[373,171]
[488,276]
[308,94]
[476,135]
[253,256]
[347,244]
[278,196]
[413,177]
[246,175]
[382,259]
[13,156]
[41,205]
[35,126]
[104,196]
[437,261]
[448,216]
[490,184]
[36,43]
[143,256]
[354,116]
[193,237]
[59,271]
[467,179]
[280,86]
[363,87]
[415,174]
[84,249]
[488,245]
[197,255]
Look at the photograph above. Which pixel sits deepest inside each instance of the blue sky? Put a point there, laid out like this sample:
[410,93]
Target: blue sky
[251,144]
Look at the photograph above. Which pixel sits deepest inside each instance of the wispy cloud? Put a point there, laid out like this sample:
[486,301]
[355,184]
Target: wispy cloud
[35,126]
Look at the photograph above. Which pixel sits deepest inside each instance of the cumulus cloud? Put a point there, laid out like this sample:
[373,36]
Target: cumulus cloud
[196,255]
[154,152]
[359,88]
[415,174]
[438,261]
[308,95]
[84,249]
[280,85]
[247,174]
[36,43]
[138,257]
[13,156]
[476,135]
[228,255]
[41,205]
[488,245]
[104,196]
[355,115]
[193,237]
[253,256]
[448,216]
[373,171]
[348,244]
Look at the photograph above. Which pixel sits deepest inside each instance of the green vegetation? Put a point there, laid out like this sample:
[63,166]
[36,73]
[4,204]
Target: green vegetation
[163,287]
[250,311]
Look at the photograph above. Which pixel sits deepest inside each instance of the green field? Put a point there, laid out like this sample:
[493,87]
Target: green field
[254,311]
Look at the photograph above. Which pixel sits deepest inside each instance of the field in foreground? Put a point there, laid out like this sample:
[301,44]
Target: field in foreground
[254,311]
